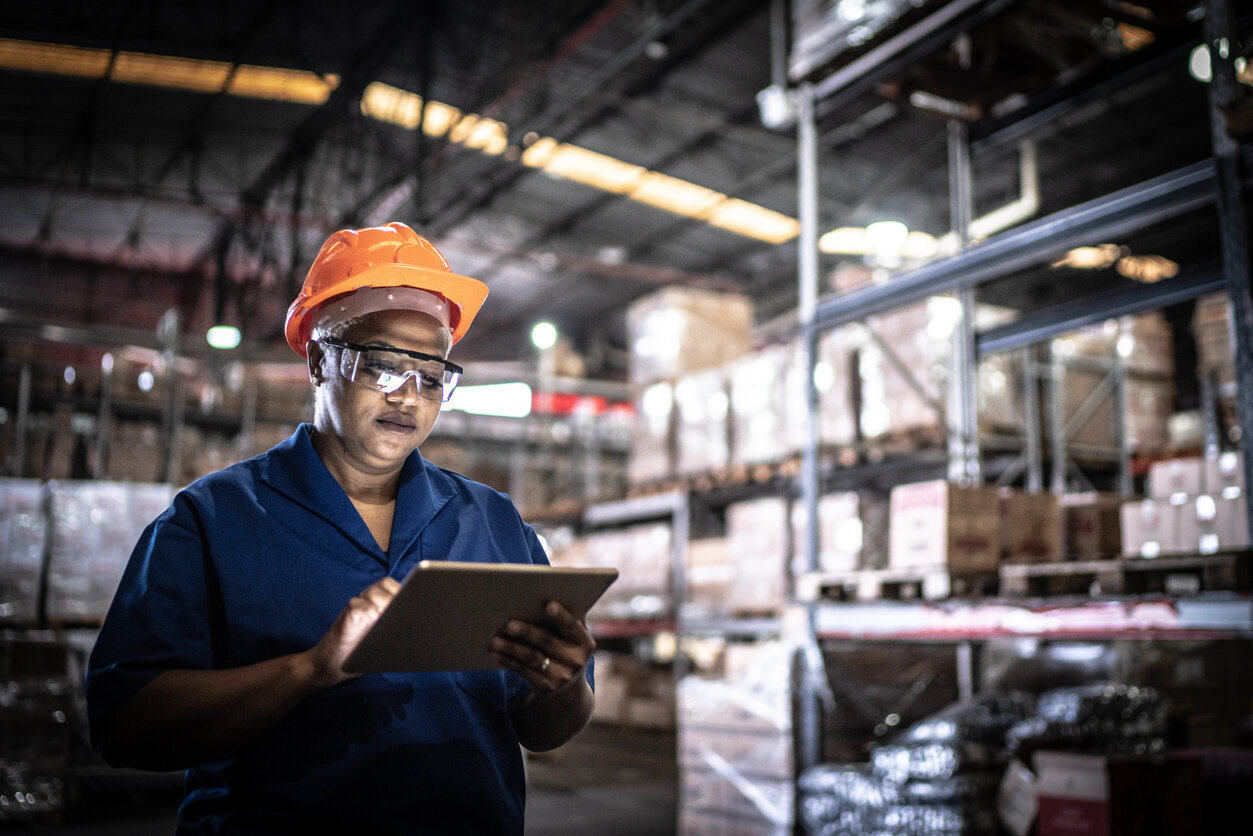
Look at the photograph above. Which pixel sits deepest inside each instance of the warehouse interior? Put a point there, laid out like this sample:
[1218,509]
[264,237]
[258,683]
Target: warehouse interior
[896,352]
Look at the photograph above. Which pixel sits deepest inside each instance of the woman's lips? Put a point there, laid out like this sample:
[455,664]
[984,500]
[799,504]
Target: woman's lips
[397,422]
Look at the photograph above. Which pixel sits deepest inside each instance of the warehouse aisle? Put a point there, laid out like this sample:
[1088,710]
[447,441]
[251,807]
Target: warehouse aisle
[610,781]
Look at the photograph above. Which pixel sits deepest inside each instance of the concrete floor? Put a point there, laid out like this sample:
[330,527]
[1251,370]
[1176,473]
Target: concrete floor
[609,781]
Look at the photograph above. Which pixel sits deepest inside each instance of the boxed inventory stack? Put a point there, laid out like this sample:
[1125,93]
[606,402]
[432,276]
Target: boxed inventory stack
[1142,345]
[939,524]
[673,333]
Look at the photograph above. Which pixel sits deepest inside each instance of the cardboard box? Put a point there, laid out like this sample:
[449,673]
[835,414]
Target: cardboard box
[841,533]
[708,576]
[1150,528]
[768,411]
[1072,794]
[758,545]
[679,330]
[652,435]
[939,524]
[702,428]
[1031,526]
[1224,475]
[1091,525]
[1177,479]
[1209,524]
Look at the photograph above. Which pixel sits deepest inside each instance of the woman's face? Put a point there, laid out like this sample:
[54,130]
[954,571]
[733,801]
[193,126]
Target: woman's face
[370,431]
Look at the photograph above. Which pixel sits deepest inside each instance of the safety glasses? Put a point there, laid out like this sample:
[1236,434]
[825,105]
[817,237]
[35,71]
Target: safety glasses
[387,369]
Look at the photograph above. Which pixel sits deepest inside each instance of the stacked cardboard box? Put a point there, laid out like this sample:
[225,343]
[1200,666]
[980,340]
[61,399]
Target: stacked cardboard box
[708,577]
[652,435]
[758,544]
[938,524]
[1143,346]
[1091,528]
[1194,506]
[702,441]
[679,330]
[768,403]
[1031,526]
[735,745]
[93,529]
[23,532]
[852,532]
[633,693]
[643,556]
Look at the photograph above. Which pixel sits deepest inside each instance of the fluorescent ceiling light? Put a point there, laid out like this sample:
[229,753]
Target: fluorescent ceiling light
[400,107]
[224,337]
[168,71]
[502,400]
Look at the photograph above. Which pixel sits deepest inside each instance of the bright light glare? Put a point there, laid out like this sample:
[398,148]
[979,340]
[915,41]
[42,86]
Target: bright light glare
[544,335]
[224,337]
[503,400]
[146,380]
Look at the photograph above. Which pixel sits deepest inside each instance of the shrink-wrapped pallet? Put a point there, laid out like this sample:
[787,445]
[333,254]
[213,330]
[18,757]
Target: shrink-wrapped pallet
[23,533]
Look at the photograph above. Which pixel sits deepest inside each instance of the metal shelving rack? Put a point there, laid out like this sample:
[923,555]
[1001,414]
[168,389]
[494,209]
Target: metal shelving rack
[1216,183]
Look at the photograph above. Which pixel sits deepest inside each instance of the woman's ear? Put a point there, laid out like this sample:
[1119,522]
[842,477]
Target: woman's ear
[314,355]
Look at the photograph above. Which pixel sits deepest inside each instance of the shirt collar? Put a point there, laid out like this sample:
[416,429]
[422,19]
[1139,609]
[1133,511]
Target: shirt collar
[294,469]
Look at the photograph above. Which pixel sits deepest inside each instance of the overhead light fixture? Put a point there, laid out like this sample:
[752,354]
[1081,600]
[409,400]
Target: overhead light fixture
[224,337]
[194,74]
[544,335]
[500,400]
[403,108]
[1099,257]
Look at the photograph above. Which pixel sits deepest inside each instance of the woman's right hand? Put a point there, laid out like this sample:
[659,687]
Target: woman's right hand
[356,619]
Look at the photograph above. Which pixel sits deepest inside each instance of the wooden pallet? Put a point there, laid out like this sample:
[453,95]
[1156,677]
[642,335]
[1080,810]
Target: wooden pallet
[1179,575]
[925,584]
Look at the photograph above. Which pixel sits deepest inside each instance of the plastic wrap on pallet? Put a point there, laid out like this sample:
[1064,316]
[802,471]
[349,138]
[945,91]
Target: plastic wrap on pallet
[1106,718]
[735,741]
[23,531]
[852,532]
[94,527]
[29,791]
[767,404]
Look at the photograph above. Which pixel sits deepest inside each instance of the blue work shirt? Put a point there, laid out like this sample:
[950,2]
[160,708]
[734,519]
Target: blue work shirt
[256,561]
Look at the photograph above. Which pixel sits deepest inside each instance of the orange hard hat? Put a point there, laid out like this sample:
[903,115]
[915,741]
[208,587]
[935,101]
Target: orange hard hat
[391,256]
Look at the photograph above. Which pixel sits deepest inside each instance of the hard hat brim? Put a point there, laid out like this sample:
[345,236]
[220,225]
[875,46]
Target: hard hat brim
[465,293]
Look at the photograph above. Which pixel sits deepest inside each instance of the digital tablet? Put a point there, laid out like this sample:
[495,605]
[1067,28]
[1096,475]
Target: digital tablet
[445,614]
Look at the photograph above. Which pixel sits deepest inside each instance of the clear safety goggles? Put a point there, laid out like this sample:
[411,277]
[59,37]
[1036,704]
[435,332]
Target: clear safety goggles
[387,369]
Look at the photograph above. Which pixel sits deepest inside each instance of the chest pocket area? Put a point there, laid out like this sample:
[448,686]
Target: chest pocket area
[488,688]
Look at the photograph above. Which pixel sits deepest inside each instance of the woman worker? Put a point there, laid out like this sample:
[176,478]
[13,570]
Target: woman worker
[222,652]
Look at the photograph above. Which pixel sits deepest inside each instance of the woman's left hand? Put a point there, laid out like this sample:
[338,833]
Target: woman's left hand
[549,657]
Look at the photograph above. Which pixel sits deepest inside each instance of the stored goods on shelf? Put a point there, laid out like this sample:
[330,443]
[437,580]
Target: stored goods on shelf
[642,556]
[652,435]
[852,532]
[93,529]
[1031,526]
[701,405]
[1142,346]
[1091,526]
[767,404]
[758,542]
[708,576]
[23,531]
[679,330]
[632,693]
[939,523]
